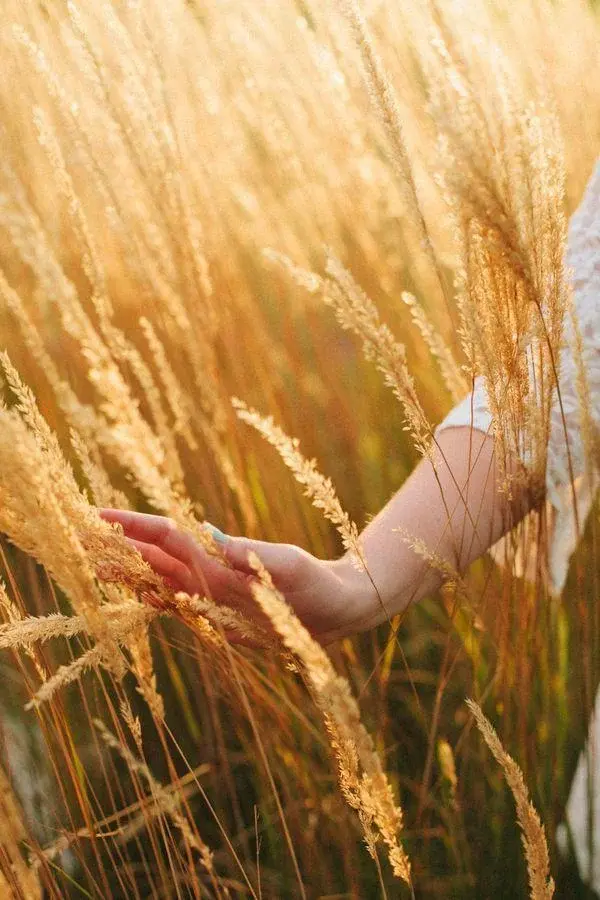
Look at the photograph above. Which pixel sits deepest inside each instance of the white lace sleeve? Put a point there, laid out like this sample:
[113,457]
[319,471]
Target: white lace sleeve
[566,448]
[473,411]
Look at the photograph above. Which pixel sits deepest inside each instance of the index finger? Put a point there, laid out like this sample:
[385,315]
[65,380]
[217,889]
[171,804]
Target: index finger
[158,530]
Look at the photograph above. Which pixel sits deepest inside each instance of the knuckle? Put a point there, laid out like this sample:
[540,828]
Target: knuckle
[179,573]
[176,568]
[297,560]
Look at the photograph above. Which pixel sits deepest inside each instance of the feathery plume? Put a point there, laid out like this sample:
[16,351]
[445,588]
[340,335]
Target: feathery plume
[165,802]
[362,778]
[103,492]
[453,377]
[385,102]
[179,402]
[13,831]
[16,620]
[221,615]
[316,486]
[533,837]
[99,655]
[38,482]
[23,632]
[355,311]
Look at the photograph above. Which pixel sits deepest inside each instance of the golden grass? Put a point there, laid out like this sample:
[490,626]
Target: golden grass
[362,779]
[534,838]
[193,199]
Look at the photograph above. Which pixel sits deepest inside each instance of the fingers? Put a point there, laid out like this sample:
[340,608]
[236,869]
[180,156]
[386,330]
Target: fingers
[139,525]
[288,564]
[202,575]
[284,561]
[161,531]
[236,551]
[185,566]
[173,570]
[158,530]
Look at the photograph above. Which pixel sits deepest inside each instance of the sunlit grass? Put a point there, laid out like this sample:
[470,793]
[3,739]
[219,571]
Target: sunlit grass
[152,153]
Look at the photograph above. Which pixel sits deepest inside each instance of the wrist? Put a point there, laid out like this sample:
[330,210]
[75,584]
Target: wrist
[364,604]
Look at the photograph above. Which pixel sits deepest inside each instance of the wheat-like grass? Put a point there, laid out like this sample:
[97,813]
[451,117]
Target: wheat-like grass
[150,152]
[23,632]
[453,377]
[362,778]
[17,621]
[221,616]
[316,486]
[534,838]
[510,228]
[165,802]
[356,312]
[17,879]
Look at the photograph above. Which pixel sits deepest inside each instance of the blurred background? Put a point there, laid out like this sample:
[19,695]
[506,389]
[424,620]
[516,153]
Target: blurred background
[151,154]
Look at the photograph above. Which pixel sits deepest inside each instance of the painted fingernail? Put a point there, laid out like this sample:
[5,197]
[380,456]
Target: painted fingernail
[216,533]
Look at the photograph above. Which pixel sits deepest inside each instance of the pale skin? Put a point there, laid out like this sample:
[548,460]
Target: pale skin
[456,508]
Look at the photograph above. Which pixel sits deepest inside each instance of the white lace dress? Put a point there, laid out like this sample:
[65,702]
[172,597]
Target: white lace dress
[583,259]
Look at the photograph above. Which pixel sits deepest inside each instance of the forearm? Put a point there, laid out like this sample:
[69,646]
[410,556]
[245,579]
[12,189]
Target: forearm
[452,506]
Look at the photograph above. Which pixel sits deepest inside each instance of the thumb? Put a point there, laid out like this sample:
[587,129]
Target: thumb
[236,550]
[275,557]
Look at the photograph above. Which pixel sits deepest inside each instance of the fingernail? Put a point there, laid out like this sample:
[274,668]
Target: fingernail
[216,533]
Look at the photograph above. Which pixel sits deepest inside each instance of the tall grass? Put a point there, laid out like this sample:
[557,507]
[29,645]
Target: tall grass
[208,201]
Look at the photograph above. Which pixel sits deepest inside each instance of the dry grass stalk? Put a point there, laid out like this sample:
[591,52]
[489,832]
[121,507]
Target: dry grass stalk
[25,631]
[100,655]
[19,879]
[100,549]
[137,816]
[104,494]
[122,126]
[316,486]
[310,281]
[362,778]
[16,620]
[221,616]
[119,427]
[125,351]
[533,837]
[42,482]
[165,802]
[449,572]
[205,411]
[65,396]
[453,377]
[179,402]
[76,542]
[159,151]
[142,666]
[510,228]
[385,102]
[355,311]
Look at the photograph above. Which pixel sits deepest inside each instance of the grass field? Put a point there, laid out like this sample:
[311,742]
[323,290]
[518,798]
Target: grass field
[184,187]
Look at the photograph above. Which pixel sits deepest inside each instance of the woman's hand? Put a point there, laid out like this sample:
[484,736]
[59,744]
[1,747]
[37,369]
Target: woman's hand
[331,598]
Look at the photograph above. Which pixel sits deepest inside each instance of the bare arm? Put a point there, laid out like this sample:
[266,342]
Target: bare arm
[454,507]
